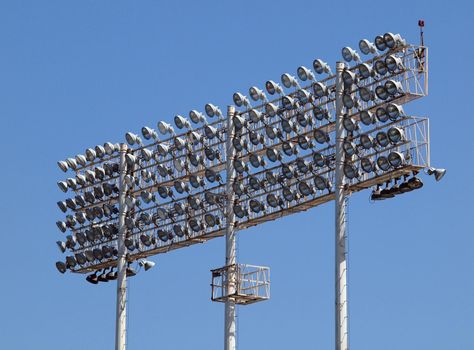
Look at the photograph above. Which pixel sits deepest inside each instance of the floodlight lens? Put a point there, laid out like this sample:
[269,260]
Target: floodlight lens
[395,135]
[319,160]
[382,139]
[273,200]
[381,67]
[305,189]
[367,165]
[394,111]
[381,114]
[350,171]
[348,101]
[321,136]
[365,71]
[381,93]
[396,159]
[367,118]
[380,43]
[320,89]
[365,94]
[366,141]
[320,182]
[382,163]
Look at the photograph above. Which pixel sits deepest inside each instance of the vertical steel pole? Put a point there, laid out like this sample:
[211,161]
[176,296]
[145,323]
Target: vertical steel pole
[230,249]
[120,325]
[342,341]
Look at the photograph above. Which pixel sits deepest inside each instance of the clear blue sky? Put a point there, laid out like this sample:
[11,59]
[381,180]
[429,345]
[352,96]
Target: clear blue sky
[74,74]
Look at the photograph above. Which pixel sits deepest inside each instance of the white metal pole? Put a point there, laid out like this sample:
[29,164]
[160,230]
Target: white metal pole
[342,341]
[230,249]
[120,325]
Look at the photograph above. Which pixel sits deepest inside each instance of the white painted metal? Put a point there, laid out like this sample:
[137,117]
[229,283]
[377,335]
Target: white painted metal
[121,320]
[342,341]
[230,246]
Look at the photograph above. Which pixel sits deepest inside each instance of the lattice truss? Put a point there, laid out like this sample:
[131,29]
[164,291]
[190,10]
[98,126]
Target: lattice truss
[283,156]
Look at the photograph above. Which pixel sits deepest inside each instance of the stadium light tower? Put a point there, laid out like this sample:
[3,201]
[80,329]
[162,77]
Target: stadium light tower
[309,142]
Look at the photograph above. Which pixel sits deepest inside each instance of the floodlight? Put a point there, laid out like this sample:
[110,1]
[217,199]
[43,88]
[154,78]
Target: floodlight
[257,94]
[380,67]
[90,154]
[240,166]
[148,197]
[179,208]
[239,144]
[71,162]
[240,100]
[366,94]
[288,171]
[210,131]
[271,109]
[197,117]
[392,40]
[130,272]
[289,194]
[273,200]
[273,155]
[438,173]
[93,278]
[71,204]
[61,245]
[239,188]
[211,154]
[350,171]
[380,43]
[212,111]
[110,148]
[382,139]
[99,173]
[164,192]
[367,165]
[239,211]
[366,47]
[81,160]
[256,206]
[321,67]
[255,116]
[288,126]
[196,137]
[195,159]
[61,266]
[80,258]
[320,89]
[383,163]
[181,122]
[289,103]
[211,198]
[365,71]
[304,73]
[386,192]
[212,176]
[350,55]
[148,133]
[98,255]
[239,122]
[89,197]
[349,78]
[303,165]
[366,141]
[381,92]
[304,119]
[415,183]
[273,87]
[321,182]
[179,164]
[320,113]
[394,111]
[304,142]
[80,200]
[111,276]
[348,101]
[349,148]
[304,96]
[381,114]
[256,160]
[63,165]
[393,63]
[62,205]
[162,213]
[289,81]
[319,159]
[131,159]
[393,87]
[71,183]
[131,139]
[396,159]
[146,264]
[179,143]
[196,181]
[321,136]
[163,149]
[289,148]
[179,230]
[271,178]
[165,128]
[62,186]
[89,255]
[271,132]
[254,183]
[367,118]
[70,262]
[100,151]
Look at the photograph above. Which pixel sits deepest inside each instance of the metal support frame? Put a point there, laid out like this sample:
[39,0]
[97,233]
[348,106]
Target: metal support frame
[342,341]
[230,328]
[121,320]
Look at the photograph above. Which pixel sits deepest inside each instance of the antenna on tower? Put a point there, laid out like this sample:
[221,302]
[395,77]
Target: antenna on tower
[420,52]
[421,24]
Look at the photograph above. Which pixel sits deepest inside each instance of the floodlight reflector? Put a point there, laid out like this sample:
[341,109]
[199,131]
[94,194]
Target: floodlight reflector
[131,140]
[393,63]
[304,73]
[257,94]
[61,266]
[63,165]
[395,135]
[348,101]
[289,81]
[255,116]
[366,141]
[321,136]
[239,211]
[212,111]
[383,163]
[210,220]
[380,43]
[110,148]
[181,122]
[321,67]
[71,162]
[63,186]
[394,111]
[196,117]
[289,103]
[396,159]
[393,87]
[380,67]
[366,47]
[320,113]
[367,118]
[289,148]
[366,94]
[321,182]
[367,165]
[165,128]
[382,139]
[273,87]
[319,159]
[349,148]
[320,89]
[271,109]
[273,200]
[365,70]
[304,189]
[273,155]
[304,142]
[350,171]
[348,77]
[392,40]
[240,100]
[381,92]
[381,114]
[256,206]
[350,55]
